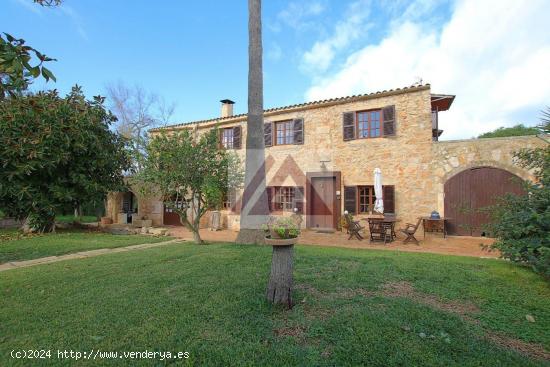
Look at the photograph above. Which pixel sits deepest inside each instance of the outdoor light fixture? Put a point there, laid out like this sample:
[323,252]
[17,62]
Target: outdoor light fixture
[323,166]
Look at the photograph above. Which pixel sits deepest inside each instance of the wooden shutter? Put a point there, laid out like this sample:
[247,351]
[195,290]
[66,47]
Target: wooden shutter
[220,138]
[388,193]
[237,137]
[298,128]
[269,191]
[348,125]
[350,199]
[388,114]
[268,134]
[231,194]
[299,199]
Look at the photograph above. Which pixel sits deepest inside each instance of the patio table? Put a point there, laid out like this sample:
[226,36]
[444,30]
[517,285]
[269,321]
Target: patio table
[432,225]
[386,222]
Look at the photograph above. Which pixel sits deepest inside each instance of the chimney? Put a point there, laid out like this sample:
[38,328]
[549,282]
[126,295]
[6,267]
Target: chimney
[227,107]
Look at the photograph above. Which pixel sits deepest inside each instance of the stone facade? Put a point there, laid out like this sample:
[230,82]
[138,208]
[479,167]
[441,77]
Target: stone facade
[411,161]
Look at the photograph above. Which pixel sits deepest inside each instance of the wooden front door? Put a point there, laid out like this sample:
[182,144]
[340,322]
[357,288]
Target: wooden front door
[469,192]
[322,199]
[171,218]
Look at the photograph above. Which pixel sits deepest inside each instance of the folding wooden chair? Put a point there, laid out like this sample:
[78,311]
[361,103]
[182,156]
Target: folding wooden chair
[379,230]
[353,227]
[410,230]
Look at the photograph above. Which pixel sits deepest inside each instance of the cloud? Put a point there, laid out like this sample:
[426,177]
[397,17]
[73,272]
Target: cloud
[64,9]
[297,15]
[75,18]
[321,55]
[494,55]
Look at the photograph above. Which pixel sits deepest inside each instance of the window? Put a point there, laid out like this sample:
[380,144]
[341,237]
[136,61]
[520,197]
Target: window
[361,199]
[284,132]
[366,198]
[368,124]
[284,198]
[227,138]
[226,202]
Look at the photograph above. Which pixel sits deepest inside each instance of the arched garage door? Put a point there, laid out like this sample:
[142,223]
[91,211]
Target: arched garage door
[471,190]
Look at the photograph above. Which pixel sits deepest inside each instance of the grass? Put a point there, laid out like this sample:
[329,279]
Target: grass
[209,301]
[16,247]
[71,218]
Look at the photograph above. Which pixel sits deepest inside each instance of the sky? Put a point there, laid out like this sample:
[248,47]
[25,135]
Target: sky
[494,55]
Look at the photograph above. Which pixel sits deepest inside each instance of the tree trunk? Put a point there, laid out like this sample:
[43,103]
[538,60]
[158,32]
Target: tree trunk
[197,237]
[254,201]
[279,287]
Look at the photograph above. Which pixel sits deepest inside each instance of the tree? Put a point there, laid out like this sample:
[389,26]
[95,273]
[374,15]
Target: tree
[254,209]
[254,203]
[190,175]
[56,151]
[137,111]
[521,224]
[518,130]
[16,72]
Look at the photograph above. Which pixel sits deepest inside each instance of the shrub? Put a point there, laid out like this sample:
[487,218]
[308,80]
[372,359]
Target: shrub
[521,224]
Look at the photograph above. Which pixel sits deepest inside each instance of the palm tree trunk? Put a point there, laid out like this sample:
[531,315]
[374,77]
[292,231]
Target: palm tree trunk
[254,202]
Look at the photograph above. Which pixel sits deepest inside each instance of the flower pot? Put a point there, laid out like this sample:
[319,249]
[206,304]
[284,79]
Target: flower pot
[106,220]
[281,241]
[274,234]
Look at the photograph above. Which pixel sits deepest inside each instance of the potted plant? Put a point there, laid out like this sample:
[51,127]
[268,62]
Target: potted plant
[282,231]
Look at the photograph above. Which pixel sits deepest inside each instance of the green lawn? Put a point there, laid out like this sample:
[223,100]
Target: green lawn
[15,247]
[71,218]
[354,307]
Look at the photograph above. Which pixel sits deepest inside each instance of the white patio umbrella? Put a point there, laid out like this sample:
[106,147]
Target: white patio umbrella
[379,203]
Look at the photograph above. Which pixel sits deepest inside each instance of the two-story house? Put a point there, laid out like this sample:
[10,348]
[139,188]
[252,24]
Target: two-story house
[320,157]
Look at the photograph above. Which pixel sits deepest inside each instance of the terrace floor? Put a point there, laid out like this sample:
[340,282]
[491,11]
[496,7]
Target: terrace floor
[433,243]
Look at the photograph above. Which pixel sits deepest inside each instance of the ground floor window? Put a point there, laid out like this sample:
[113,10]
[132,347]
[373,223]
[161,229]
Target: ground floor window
[360,199]
[285,198]
[367,198]
[228,200]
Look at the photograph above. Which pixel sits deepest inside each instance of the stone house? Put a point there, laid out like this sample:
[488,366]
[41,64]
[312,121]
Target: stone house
[320,158]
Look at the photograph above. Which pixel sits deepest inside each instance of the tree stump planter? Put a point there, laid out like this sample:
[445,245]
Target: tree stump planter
[279,287]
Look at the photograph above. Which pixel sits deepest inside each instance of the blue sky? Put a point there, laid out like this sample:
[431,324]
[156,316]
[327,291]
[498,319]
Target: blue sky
[494,55]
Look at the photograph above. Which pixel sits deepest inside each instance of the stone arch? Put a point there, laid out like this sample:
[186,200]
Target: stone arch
[516,170]
[510,167]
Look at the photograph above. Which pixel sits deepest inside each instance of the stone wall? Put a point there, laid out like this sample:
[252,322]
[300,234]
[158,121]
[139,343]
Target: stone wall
[455,156]
[148,205]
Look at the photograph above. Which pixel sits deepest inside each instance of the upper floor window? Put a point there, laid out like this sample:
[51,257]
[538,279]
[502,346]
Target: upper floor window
[284,131]
[230,137]
[368,124]
[227,138]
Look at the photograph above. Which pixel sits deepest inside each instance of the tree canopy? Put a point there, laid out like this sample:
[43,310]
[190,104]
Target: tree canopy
[190,174]
[56,151]
[518,130]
